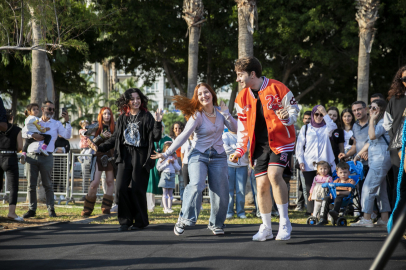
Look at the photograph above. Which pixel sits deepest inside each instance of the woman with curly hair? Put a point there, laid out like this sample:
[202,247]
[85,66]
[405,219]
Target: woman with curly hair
[393,122]
[133,141]
[101,164]
[207,159]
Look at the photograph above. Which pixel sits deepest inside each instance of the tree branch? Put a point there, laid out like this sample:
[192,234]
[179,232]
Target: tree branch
[33,48]
[22,24]
[57,24]
[310,88]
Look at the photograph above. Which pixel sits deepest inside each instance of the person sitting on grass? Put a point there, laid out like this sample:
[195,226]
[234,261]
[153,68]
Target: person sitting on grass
[317,192]
[168,168]
[343,171]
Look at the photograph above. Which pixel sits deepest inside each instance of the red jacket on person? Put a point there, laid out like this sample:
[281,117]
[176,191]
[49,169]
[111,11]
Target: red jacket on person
[274,95]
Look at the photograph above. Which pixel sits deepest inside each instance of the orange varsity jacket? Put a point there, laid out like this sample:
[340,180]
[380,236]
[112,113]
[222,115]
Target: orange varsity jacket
[274,95]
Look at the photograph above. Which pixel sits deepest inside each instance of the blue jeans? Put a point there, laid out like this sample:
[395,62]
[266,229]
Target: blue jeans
[201,165]
[237,179]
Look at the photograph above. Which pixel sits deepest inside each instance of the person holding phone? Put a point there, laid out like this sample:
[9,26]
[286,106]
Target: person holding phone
[37,162]
[101,163]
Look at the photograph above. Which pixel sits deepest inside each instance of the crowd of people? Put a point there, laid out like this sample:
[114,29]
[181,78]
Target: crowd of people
[224,150]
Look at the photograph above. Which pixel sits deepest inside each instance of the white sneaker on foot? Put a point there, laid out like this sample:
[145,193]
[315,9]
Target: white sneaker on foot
[263,234]
[363,223]
[169,211]
[284,231]
[381,223]
[114,208]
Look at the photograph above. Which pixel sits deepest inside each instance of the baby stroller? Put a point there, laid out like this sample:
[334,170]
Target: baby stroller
[352,201]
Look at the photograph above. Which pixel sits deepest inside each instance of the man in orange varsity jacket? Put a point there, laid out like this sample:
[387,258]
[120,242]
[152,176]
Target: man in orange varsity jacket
[266,112]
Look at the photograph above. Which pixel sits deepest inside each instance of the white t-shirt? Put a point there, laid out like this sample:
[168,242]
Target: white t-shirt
[347,137]
[185,150]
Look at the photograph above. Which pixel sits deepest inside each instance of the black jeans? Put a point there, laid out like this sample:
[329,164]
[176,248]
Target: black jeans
[309,176]
[132,201]
[300,195]
[9,165]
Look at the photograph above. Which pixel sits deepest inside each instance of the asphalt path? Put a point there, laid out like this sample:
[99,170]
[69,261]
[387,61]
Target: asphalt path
[88,246]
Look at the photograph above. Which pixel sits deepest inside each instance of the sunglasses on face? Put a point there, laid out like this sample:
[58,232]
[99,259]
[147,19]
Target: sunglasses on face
[50,109]
[318,114]
[372,108]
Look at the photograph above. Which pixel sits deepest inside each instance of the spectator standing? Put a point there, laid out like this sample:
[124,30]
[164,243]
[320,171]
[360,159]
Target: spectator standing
[337,138]
[175,131]
[184,154]
[237,176]
[133,143]
[348,120]
[207,159]
[360,133]
[301,199]
[3,117]
[38,163]
[100,164]
[168,167]
[313,145]
[375,186]
[11,142]
[154,176]
[393,123]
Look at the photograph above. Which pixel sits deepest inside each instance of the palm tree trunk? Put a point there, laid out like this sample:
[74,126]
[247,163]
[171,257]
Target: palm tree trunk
[193,59]
[366,16]
[247,16]
[38,69]
[193,14]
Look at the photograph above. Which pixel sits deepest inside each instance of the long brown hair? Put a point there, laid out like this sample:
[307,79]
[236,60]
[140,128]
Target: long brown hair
[397,88]
[100,120]
[190,106]
[382,108]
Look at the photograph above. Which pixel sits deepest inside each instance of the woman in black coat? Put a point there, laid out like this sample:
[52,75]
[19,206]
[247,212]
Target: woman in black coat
[136,131]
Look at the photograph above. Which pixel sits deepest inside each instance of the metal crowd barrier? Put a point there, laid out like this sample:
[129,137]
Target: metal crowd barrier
[80,178]
[60,178]
[176,192]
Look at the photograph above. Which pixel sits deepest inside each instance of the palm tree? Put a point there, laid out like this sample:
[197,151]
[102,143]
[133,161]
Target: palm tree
[366,16]
[247,20]
[193,14]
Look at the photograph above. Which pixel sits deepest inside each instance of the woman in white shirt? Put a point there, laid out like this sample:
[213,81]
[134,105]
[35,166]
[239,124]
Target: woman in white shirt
[313,145]
[348,119]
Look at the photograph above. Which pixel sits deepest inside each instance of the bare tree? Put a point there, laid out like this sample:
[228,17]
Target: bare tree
[247,21]
[366,16]
[193,14]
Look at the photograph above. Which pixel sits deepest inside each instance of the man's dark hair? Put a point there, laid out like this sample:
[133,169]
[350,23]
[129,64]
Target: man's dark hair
[46,102]
[359,102]
[309,113]
[343,166]
[249,64]
[378,95]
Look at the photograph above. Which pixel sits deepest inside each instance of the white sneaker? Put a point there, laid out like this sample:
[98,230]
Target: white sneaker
[45,153]
[169,211]
[374,215]
[363,223]
[381,223]
[284,231]
[62,197]
[114,208]
[263,234]
[356,214]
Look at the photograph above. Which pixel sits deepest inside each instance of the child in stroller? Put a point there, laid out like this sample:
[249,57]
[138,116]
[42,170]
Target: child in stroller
[341,191]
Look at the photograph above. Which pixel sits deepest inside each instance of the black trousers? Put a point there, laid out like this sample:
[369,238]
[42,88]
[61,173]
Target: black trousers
[337,202]
[309,176]
[396,167]
[300,195]
[185,174]
[9,165]
[132,200]
[47,139]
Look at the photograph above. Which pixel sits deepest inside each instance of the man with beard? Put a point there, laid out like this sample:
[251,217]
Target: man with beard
[36,162]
